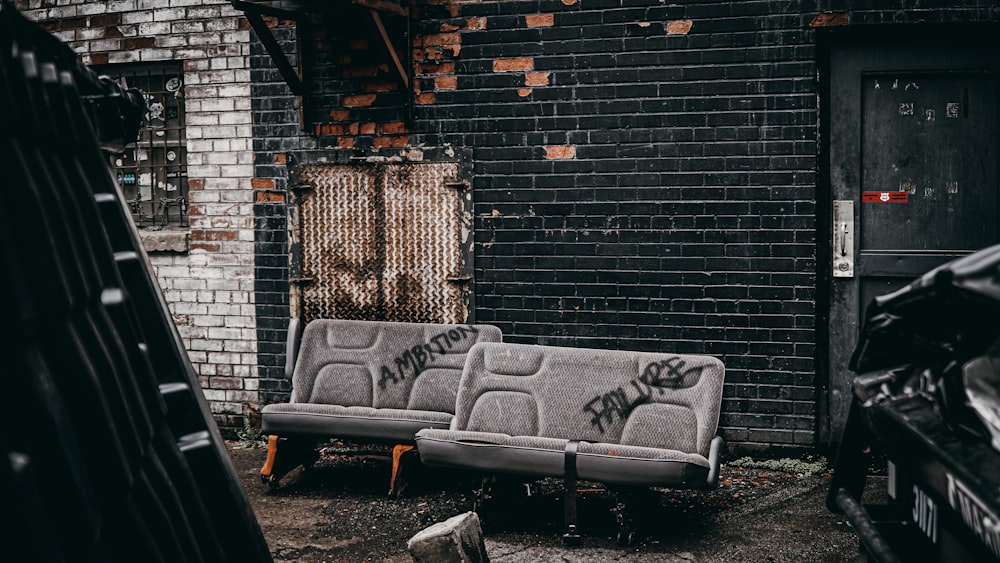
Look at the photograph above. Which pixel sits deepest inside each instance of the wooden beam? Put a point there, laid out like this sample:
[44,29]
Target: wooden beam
[404,75]
[384,6]
[253,13]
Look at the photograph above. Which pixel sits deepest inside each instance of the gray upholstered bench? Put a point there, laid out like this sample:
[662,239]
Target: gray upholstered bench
[625,419]
[366,381]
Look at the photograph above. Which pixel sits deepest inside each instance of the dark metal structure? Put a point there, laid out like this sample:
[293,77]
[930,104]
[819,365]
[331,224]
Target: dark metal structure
[922,349]
[110,453]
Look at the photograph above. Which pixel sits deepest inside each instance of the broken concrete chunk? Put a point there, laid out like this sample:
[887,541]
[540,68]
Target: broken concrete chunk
[458,539]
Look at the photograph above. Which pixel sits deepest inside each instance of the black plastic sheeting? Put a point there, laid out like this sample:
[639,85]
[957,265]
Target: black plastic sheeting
[931,328]
[109,449]
[927,397]
[948,312]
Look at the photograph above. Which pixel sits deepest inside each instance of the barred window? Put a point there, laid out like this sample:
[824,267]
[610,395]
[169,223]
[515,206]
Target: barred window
[152,172]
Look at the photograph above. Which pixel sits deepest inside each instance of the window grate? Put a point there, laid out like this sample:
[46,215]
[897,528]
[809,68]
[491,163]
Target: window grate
[152,172]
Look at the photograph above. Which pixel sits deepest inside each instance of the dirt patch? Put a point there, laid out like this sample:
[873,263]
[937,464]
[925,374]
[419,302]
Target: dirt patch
[339,510]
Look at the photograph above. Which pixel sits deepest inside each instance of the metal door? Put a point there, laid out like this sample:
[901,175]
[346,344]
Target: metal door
[913,178]
[382,241]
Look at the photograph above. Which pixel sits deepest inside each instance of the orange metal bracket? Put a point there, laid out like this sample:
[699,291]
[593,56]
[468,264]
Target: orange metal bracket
[396,485]
[272,453]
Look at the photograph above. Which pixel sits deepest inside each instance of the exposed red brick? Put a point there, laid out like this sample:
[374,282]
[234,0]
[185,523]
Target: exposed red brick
[196,184]
[99,59]
[269,197]
[358,100]
[352,129]
[345,142]
[560,152]
[425,98]
[441,39]
[475,24]
[207,246]
[537,79]
[113,33]
[367,128]
[539,20]
[133,43]
[262,183]
[447,27]
[340,114]
[73,23]
[569,2]
[390,141]
[244,23]
[360,72]
[831,19]
[513,65]
[280,158]
[195,210]
[378,86]
[203,234]
[273,22]
[393,128]
[446,83]
[329,129]
[102,20]
[49,25]
[679,27]
[436,68]
[524,92]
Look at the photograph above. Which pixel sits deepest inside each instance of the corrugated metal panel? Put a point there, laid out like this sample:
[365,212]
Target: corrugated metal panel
[383,242]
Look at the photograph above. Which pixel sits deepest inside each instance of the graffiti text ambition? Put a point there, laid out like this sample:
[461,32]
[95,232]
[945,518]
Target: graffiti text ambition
[415,359]
[669,373]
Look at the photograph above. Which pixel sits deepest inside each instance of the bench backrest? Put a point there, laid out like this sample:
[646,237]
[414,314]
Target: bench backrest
[384,364]
[656,400]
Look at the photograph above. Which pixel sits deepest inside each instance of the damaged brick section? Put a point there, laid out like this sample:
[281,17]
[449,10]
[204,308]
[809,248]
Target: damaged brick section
[831,19]
[560,152]
[679,27]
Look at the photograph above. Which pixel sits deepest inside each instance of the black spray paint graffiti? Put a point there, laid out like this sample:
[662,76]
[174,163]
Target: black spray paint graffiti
[416,358]
[620,402]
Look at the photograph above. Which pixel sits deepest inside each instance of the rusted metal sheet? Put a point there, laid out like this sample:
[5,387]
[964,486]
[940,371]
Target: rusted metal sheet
[384,241]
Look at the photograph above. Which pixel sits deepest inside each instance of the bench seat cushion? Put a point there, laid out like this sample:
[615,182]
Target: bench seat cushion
[614,464]
[640,418]
[374,380]
[362,423]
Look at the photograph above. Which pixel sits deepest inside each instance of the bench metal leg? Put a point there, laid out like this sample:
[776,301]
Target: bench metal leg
[623,516]
[396,482]
[572,535]
[284,455]
[629,503]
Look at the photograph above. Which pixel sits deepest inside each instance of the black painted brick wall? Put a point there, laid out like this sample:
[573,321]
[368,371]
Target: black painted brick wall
[645,175]
[276,130]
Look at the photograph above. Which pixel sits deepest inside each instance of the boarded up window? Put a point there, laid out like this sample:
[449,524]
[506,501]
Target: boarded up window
[384,242]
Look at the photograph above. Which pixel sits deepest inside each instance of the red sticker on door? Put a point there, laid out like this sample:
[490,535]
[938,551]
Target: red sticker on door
[885,197]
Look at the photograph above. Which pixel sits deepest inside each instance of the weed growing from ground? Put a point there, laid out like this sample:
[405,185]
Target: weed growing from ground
[810,465]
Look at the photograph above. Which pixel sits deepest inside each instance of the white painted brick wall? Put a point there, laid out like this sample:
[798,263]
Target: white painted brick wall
[210,289]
